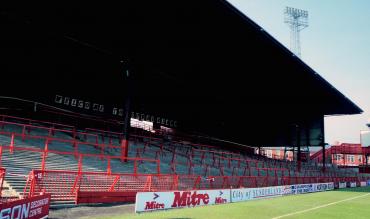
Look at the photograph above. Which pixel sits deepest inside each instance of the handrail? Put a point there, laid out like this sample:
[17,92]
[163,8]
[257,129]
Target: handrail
[35,121]
[43,153]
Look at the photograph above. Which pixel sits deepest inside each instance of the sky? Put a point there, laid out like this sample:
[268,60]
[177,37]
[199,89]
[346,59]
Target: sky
[336,45]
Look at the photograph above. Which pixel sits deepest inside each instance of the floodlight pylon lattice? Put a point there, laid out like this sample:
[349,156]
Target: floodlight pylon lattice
[297,20]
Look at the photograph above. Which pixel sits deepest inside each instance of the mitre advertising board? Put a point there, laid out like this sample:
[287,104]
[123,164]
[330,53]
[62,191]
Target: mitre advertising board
[149,201]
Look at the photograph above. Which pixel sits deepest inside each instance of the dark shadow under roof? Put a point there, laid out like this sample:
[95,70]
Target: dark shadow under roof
[203,63]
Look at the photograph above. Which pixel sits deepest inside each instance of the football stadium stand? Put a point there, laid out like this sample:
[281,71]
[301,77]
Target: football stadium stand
[74,164]
[101,101]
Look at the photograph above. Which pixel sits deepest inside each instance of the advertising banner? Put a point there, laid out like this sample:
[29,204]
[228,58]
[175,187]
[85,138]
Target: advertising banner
[368,182]
[363,184]
[28,208]
[320,187]
[150,201]
[238,195]
[352,184]
[342,185]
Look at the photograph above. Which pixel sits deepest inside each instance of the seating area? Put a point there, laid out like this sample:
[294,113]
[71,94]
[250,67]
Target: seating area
[41,156]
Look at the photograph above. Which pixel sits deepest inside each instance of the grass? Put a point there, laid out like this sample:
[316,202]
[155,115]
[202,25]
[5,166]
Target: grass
[357,207]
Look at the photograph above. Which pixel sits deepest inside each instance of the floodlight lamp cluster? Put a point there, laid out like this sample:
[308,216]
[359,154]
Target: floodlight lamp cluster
[297,17]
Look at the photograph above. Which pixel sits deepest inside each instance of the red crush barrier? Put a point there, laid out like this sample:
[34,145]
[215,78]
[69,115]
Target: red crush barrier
[2,176]
[104,197]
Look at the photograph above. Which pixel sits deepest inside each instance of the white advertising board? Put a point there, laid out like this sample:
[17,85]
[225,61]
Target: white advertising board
[149,201]
[238,195]
[363,184]
[321,187]
[342,185]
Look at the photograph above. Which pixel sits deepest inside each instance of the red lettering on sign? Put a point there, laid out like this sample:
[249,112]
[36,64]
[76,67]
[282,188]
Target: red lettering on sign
[183,199]
[153,205]
[220,200]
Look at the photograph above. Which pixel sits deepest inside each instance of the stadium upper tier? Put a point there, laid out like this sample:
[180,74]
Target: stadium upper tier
[203,65]
[28,145]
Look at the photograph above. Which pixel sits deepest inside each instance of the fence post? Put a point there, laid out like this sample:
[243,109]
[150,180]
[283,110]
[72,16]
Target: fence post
[1,156]
[158,166]
[43,162]
[196,183]
[23,132]
[149,183]
[32,184]
[46,148]
[135,167]
[175,185]
[74,134]
[109,170]
[173,154]
[11,149]
[75,146]
[102,148]
[124,150]
[50,133]
[79,165]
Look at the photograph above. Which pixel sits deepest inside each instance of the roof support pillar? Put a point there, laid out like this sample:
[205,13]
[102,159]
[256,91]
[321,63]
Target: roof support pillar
[127,113]
[323,146]
[298,148]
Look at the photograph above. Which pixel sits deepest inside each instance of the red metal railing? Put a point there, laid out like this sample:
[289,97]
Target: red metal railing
[2,176]
[43,153]
[29,121]
[63,185]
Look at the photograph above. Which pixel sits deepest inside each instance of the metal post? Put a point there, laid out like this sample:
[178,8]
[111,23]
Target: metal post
[298,148]
[323,145]
[323,157]
[127,113]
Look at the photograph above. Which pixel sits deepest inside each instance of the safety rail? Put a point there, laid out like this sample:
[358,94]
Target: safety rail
[108,158]
[51,130]
[2,176]
[80,157]
[74,143]
[29,121]
[65,185]
[80,116]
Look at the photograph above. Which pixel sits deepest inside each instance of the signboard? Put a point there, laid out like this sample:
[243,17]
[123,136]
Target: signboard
[368,182]
[238,195]
[321,187]
[342,185]
[352,184]
[150,201]
[307,188]
[363,184]
[28,208]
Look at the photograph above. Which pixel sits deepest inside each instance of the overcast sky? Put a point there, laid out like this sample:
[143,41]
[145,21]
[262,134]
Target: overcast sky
[336,45]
